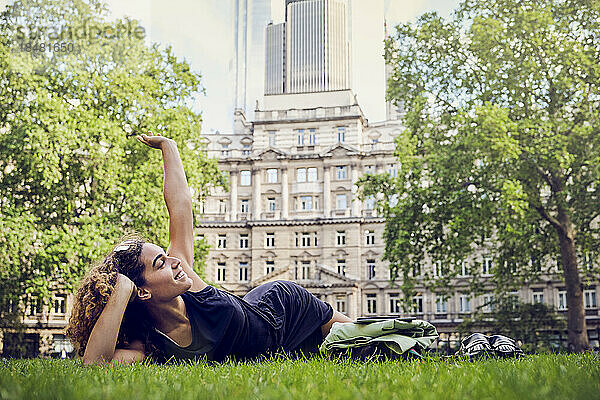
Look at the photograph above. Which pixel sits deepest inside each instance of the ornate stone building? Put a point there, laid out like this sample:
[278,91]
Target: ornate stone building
[292,211]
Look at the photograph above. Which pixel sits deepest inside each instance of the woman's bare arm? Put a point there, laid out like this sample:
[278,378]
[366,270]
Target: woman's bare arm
[179,204]
[100,348]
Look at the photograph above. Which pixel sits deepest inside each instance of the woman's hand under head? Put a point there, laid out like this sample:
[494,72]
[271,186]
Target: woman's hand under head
[156,141]
[126,284]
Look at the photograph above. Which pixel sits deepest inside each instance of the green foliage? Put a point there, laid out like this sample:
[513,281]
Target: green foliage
[501,148]
[72,176]
[535,377]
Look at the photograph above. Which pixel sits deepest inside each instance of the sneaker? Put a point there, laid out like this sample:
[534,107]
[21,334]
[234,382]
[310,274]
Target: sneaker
[505,347]
[475,345]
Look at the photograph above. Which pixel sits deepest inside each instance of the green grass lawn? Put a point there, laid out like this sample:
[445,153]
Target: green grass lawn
[533,377]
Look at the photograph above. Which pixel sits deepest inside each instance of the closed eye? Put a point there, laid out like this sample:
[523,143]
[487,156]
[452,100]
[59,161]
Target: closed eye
[162,257]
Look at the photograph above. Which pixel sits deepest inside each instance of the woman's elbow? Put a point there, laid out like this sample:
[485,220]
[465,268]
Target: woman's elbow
[91,361]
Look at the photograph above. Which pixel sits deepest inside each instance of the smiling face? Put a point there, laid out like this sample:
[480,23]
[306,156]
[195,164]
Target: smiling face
[164,275]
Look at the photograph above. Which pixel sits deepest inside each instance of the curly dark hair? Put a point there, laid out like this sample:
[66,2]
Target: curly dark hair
[95,289]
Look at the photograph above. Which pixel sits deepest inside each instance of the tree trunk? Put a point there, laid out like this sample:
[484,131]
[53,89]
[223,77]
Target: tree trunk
[576,326]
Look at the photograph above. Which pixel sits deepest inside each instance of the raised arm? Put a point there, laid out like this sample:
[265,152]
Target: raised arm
[179,204]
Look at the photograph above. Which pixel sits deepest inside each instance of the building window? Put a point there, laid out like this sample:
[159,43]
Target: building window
[369,169]
[301,175]
[393,170]
[416,270]
[395,303]
[341,267]
[306,175]
[340,201]
[589,299]
[371,303]
[222,241]
[302,239]
[221,272]
[487,266]
[245,178]
[244,206]
[60,304]
[438,270]
[340,303]
[306,203]
[244,241]
[222,206]
[269,266]
[341,134]
[441,305]
[370,203]
[246,150]
[243,271]
[300,135]
[312,137]
[562,300]
[305,270]
[225,150]
[35,306]
[418,304]
[272,136]
[588,261]
[537,297]
[464,303]
[272,175]
[341,172]
[488,303]
[464,268]
[270,239]
[370,269]
[340,238]
[369,237]
[271,204]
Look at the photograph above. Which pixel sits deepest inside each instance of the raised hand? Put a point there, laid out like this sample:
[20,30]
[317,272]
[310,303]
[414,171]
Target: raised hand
[155,141]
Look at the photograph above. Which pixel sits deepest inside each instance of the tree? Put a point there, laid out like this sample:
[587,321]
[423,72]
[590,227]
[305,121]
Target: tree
[75,89]
[501,147]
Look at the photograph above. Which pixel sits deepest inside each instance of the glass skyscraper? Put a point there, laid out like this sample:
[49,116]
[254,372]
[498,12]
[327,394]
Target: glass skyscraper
[314,55]
[250,17]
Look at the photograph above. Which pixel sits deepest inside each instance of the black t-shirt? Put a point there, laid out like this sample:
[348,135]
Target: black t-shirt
[275,315]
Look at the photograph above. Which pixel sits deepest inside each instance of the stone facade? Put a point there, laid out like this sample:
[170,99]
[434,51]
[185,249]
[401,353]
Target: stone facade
[292,210]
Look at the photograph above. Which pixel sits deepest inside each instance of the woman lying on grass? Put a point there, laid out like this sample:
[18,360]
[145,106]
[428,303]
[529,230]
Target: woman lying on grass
[143,301]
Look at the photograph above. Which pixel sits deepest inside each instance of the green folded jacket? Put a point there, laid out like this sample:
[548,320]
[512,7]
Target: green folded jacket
[398,335]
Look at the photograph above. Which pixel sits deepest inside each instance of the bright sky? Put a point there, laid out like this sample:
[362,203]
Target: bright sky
[200,32]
